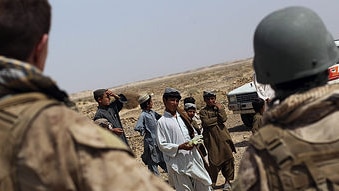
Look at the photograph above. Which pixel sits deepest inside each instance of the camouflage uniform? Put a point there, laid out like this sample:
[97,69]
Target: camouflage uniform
[257,122]
[62,149]
[302,116]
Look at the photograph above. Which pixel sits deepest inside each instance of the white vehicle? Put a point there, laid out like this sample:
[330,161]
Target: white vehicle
[240,99]
[240,102]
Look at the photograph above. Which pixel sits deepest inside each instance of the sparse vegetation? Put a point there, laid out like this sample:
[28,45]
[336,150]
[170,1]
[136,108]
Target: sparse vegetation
[220,77]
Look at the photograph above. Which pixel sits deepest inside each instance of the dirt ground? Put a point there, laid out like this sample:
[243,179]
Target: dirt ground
[221,77]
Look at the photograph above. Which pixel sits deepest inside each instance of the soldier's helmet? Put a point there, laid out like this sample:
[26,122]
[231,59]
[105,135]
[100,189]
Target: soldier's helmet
[290,44]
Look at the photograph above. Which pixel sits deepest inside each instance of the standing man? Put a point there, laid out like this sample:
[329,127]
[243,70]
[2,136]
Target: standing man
[217,139]
[110,110]
[298,147]
[45,145]
[196,117]
[190,109]
[184,164]
[147,125]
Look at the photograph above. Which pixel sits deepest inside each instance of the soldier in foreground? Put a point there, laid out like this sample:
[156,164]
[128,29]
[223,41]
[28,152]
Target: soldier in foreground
[45,145]
[298,147]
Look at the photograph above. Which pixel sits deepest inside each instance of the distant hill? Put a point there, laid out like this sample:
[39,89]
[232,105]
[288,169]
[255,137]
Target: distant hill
[211,70]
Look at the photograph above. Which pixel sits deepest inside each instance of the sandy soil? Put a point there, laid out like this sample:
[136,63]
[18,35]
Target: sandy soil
[222,78]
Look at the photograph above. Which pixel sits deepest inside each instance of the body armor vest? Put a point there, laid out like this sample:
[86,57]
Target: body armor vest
[292,163]
[16,114]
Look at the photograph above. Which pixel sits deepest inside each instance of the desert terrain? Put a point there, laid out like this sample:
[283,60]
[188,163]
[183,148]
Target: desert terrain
[220,77]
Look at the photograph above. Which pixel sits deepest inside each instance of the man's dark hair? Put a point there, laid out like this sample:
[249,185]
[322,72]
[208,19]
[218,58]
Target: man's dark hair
[22,24]
[98,94]
[300,85]
[258,104]
[189,100]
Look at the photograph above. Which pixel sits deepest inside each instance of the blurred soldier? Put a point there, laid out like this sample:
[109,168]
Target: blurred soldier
[45,145]
[259,108]
[298,147]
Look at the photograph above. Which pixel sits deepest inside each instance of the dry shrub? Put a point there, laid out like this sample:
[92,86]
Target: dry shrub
[132,100]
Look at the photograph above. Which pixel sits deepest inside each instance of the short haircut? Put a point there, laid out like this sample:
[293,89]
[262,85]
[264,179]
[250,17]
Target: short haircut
[99,93]
[258,104]
[300,85]
[22,24]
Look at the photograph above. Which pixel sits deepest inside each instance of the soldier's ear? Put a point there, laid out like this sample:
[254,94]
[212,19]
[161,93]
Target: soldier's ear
[39,54]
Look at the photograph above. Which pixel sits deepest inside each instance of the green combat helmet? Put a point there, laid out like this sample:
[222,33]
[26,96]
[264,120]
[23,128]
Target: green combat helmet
[290,44]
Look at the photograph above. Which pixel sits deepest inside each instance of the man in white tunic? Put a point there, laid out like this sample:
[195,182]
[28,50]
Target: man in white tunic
[185,166]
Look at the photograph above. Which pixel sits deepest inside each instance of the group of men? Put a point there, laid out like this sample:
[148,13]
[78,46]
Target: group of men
[167,137]
[185,161]
[45,145]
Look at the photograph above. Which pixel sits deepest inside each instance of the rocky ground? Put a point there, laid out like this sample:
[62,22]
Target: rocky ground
[221,77]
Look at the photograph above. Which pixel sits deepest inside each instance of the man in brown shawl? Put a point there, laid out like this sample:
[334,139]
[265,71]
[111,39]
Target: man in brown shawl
[217,139]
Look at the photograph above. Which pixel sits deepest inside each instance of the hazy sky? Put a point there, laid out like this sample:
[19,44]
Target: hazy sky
[107,43]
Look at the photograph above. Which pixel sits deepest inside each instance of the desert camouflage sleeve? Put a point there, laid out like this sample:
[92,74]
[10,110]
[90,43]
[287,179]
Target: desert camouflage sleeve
[63,150]
[251,174]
